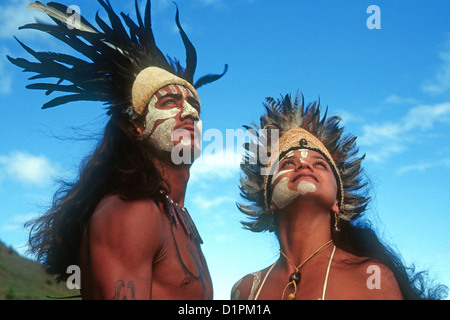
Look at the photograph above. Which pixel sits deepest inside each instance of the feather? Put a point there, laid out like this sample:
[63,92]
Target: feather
[210,78]
[71,40]
[59,12]
[73,97]
[114,51]
[191,54]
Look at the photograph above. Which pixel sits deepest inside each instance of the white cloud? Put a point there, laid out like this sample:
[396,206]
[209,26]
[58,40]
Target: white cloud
[210,202]
[220,165]
[28,169]
[14,14]
[385,151]
[16,223]
[393,137]
[422,166]
[426,116]
[349,117]
[441,82]
[396,99]
[375,134]
[414,167]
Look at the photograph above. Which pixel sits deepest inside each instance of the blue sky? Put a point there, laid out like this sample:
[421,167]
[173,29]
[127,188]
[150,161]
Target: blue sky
[390,85]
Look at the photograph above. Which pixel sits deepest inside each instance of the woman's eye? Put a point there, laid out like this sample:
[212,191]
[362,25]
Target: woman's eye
[287,163]
[321,163]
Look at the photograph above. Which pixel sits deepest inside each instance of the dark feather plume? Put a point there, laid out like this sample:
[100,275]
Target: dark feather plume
[115,51]
[284,114]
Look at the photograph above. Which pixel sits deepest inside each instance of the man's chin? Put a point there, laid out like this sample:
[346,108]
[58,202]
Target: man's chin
[185,154]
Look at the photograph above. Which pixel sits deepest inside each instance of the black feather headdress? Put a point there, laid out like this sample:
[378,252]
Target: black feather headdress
[282,117]
[115,54]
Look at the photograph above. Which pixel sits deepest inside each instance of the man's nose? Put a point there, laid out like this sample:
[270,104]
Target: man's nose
[189,110]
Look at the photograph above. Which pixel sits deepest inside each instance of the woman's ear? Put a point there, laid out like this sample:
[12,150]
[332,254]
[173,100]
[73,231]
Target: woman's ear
[272,207]
[335,207]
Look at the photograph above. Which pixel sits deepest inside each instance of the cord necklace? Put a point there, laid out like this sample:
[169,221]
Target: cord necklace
[295,277]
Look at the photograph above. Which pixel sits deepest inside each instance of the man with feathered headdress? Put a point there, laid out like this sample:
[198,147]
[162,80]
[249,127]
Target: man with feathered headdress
[123,221]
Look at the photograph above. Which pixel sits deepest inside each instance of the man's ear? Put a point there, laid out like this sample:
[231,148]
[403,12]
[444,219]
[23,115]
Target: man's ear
[138,129]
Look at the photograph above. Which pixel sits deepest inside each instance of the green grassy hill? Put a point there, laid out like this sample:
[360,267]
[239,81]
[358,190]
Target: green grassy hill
[24,279]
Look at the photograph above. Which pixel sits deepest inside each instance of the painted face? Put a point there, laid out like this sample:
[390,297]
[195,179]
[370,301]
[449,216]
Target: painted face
[173,108]
[302,172]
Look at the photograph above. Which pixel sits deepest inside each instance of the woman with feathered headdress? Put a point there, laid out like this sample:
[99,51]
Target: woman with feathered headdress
[123,221]
[312,194]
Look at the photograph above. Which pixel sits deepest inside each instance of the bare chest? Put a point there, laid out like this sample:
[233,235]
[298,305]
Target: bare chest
[180,271]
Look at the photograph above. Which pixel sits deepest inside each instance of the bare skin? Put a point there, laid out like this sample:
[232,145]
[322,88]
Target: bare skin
[131,244]
[304,226]
[346,281]
[132,250]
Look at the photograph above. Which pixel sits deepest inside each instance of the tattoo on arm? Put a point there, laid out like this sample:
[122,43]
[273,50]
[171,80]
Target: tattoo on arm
[124,294]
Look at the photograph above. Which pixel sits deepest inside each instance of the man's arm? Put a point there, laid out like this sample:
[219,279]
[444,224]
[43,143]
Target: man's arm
[124,239]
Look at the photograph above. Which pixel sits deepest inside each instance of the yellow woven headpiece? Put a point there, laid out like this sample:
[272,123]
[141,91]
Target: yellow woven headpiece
[149,81]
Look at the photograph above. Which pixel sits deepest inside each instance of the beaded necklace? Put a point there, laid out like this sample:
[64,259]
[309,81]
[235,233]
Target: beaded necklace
[180,215]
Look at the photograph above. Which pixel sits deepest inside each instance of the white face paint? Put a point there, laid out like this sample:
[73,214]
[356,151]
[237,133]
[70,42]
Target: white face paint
[305,187]
[161,135]
[279,173]
[303,155]
[281,194]
[188,110]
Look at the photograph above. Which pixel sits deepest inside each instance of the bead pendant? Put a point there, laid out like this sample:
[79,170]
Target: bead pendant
[295,277]
[291,296]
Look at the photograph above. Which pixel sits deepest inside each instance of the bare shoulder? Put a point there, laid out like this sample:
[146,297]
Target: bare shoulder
[381,282]
[118,223]
[243,288]
[112,207]
[357,278]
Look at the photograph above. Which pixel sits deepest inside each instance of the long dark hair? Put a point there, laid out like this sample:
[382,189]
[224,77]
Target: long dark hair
[121,164]
[360,238]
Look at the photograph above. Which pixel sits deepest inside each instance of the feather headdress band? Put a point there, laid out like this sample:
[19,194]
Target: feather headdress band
[116,54]
[298,127]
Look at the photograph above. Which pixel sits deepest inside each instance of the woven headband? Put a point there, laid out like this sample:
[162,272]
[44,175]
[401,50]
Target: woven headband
[149,81]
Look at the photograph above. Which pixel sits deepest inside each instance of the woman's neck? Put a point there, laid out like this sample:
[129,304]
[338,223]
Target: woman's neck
[302,233]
